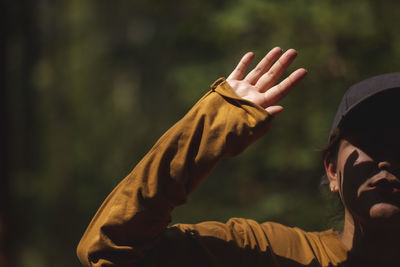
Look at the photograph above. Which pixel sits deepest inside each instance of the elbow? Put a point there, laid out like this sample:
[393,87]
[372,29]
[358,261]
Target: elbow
[83,254]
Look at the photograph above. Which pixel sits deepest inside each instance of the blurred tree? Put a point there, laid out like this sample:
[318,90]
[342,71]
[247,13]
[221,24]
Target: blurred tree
[4,165]
[20,54]
[90,85]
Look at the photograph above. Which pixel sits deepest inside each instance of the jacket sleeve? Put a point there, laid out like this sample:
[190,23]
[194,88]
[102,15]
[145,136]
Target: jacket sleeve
[135,215]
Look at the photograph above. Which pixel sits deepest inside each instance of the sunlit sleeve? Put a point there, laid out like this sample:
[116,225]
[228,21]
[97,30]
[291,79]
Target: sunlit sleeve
[135,215]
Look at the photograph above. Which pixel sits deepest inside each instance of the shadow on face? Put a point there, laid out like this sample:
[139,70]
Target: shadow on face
[368,191]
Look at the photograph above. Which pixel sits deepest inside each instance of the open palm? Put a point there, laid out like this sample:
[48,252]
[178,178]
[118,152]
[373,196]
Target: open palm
[260,85]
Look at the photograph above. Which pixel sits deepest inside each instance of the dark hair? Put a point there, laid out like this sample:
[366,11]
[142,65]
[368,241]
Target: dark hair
[333,205]
[331,150]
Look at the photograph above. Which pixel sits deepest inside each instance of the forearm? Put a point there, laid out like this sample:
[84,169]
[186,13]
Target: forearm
[138,210]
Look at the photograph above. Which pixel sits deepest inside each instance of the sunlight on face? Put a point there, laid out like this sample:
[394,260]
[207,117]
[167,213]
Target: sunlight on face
[368,169]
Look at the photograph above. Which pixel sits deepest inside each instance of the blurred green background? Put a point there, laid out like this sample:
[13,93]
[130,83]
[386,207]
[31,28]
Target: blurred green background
[88,86]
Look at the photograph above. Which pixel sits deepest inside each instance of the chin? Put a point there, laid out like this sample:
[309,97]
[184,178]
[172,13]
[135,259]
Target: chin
[386,213]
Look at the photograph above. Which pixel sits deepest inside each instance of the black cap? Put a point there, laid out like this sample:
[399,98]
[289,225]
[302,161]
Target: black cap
[362,92]
[354,113]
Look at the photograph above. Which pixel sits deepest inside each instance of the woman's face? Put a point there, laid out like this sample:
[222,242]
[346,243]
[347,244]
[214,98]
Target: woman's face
[368,175]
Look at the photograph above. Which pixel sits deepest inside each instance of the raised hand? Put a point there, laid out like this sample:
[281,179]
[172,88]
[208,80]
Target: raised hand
[260,85]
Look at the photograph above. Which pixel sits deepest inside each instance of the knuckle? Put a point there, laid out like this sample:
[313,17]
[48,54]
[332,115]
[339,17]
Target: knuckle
[239,68]
[271,73]
[258,69]
[279,63]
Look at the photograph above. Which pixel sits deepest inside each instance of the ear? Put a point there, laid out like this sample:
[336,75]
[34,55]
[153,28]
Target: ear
[332,173]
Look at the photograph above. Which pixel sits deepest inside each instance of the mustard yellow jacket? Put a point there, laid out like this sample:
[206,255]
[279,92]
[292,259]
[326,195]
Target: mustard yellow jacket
[131,226]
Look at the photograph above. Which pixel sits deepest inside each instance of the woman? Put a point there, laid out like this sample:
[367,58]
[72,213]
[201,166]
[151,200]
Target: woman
[131,226]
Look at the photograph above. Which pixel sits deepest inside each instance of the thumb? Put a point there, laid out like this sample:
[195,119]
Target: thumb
[274,110]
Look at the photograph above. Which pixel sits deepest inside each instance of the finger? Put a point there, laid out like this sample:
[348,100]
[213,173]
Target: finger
[274,110]
[275,72]
[276,93]
[240,70]
[264,65]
